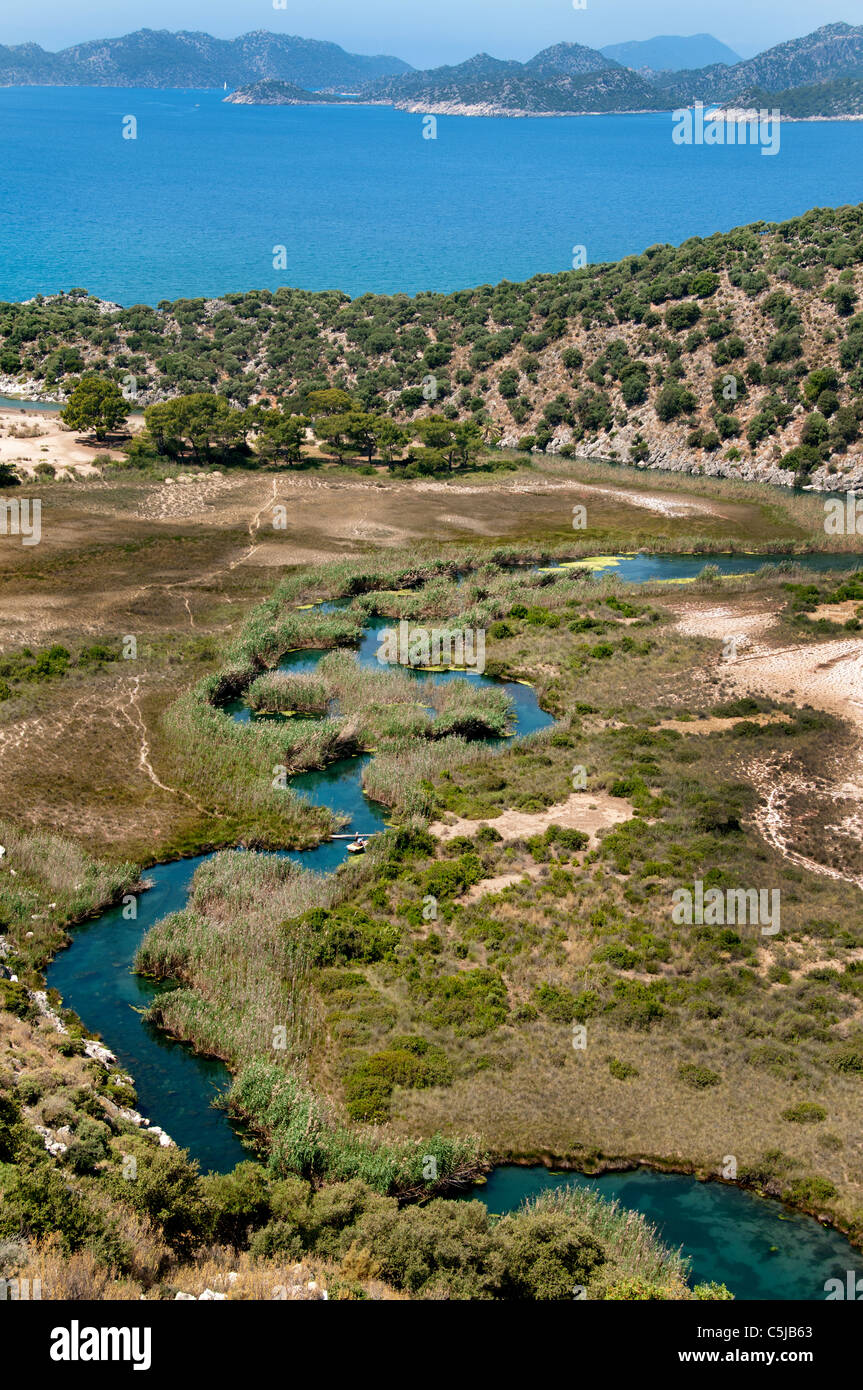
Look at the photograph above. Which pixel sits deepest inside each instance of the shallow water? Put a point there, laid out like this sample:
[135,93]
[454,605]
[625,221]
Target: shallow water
[176,1087]
[642,568]
[757,1247]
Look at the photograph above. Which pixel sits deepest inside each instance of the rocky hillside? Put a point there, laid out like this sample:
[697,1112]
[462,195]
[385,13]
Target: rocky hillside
[485,86]
[569,60]
[834,51]
[840,99]
[157,58]
[740,354]
[272,93]
[569,78]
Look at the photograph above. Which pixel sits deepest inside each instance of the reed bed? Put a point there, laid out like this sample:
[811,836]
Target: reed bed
[280,693]
[631,1242]
[242,977]
[307,1138]
[54,882]
[235,767]
[401,777]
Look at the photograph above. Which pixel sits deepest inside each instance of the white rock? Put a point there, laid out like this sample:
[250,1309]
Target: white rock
[99,1053]
[185,1298]
[210,1295]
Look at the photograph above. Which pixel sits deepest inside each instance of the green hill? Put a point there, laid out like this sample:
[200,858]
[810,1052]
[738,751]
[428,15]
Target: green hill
[740,353]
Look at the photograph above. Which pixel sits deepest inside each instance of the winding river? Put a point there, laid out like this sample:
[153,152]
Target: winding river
[755,1246]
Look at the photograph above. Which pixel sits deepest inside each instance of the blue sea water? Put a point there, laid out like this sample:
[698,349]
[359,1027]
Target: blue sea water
[361,202]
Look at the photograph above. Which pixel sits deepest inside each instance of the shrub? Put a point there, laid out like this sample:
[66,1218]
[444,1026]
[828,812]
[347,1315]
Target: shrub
[697,1076]
[409,1062]
[343,935]
[471,1003]
[805,1113]
[680,316]
[16,999]
[674,400]
[622,1071]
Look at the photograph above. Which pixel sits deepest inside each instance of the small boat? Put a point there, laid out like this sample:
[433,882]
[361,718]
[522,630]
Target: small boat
[357,846]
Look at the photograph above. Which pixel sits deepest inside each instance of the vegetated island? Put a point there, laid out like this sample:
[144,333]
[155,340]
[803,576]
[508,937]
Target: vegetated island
[275,93]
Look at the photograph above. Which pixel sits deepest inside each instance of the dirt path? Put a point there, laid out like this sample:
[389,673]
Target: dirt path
[132,712]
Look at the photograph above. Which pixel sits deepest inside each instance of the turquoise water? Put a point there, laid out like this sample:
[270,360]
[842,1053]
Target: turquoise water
[758,1248]
[755,1247]
[44,407]
[360,200]
[639,569]
[176,1087]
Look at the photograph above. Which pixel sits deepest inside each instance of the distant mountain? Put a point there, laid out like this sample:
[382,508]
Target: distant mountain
[490,86]
[273,93]
[572,79]
[671,53]
[832,52]
[158,58]
[570,59]
[566,78]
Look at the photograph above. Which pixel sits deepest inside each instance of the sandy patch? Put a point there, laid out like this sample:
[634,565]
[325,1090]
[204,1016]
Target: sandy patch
[656,502]
[829,676]
[837,612]
[715,724]
[502,881]
[587,811]
[722,623]
[28,438]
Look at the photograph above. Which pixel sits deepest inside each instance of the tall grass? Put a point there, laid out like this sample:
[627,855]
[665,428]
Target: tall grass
[402,777]
[241,976]
[631,1242]
[233,767]
[306,1137]
[54,882]
[280,693]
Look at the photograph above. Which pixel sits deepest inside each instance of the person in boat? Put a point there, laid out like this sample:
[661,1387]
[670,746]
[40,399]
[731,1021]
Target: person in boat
[357,846]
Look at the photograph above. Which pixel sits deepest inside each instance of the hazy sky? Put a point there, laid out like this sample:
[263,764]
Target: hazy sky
[427,32]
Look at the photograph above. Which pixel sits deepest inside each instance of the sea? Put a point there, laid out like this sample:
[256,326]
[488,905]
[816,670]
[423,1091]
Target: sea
[140,196]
